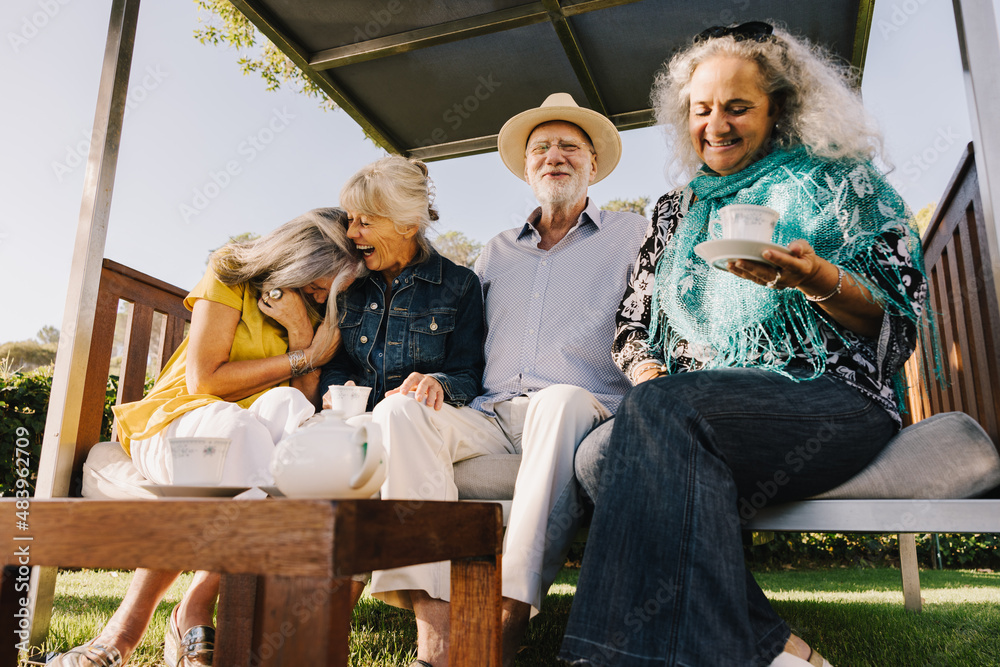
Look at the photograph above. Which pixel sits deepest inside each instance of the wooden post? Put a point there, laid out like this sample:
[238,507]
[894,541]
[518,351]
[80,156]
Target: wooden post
[234,635]
[63,418]
[910,571]
[475,612]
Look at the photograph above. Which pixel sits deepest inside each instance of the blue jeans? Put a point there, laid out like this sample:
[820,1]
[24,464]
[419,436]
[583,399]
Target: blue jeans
[690,457]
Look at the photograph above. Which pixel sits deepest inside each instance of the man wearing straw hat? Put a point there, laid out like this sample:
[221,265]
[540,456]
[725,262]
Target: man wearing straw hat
[552,289]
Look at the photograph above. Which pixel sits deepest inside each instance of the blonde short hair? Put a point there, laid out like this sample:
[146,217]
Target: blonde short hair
[396,188]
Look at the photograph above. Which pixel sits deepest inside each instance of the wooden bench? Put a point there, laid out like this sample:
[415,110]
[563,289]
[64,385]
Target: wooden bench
[273,553]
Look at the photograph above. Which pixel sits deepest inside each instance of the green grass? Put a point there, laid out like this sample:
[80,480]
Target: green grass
[854,617]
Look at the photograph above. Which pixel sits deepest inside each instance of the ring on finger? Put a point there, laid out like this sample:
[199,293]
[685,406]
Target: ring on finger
[773,283]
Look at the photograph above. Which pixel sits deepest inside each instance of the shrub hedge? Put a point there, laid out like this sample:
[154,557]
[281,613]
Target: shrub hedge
[24,399]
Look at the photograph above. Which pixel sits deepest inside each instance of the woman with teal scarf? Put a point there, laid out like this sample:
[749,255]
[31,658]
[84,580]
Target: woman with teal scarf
[774,379]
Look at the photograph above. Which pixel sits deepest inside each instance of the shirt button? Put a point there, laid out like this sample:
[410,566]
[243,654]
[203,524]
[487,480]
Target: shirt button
[364,339]
[544,262]
[531,331]
[526,369]
[534,296]
[374,306]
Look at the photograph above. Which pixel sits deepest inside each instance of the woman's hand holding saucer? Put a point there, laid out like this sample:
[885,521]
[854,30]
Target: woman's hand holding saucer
[800,266]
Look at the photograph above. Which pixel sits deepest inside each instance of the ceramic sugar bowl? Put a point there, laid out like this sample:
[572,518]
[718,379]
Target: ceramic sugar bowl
[331,458]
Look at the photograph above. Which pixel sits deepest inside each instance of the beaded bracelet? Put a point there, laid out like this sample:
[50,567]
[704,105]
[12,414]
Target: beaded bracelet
[300,363]
[835,292]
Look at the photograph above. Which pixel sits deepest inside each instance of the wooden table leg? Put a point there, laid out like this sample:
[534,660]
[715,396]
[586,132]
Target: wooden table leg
[10,626]
[234,631]
[475,613]
[302,621]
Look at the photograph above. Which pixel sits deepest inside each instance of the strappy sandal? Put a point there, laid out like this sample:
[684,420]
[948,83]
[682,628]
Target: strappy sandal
[420,663]
[196,649]
[88,655]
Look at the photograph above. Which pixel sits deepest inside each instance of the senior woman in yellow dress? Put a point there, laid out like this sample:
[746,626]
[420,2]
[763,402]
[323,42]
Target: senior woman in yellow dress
[257,340]
[769,382]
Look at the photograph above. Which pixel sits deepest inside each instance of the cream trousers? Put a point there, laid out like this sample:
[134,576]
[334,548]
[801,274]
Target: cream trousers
[546,427]
[253,432]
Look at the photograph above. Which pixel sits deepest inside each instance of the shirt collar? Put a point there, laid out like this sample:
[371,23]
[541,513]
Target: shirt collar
[430,270]
[590,213]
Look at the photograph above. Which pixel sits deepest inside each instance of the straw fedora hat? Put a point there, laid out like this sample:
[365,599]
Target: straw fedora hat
[513,137]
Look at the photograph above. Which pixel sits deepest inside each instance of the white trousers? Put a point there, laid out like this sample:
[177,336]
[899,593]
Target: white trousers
[423,444]
[253,432]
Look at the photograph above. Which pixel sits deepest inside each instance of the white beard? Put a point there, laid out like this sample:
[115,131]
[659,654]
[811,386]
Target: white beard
[560,192]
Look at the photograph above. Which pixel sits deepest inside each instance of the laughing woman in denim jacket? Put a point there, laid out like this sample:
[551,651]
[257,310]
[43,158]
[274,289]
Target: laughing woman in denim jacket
[413,332]
[415,325]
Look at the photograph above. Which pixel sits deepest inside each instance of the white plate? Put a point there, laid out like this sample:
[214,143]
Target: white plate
[720,251]
[177,491]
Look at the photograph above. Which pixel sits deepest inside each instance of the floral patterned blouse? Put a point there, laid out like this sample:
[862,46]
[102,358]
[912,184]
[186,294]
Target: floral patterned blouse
[866,364]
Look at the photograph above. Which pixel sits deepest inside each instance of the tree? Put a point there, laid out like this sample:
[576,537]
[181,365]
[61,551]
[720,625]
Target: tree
[923,217]
[459,248]
[637,205]
[226,26]
[238,238]
[48,334]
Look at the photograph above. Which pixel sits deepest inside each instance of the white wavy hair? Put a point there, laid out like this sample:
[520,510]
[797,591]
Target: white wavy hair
[819,106]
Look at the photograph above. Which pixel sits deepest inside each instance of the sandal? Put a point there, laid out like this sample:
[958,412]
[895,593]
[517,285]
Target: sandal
[196,649]
[420,663]
[789,660]
[88,655]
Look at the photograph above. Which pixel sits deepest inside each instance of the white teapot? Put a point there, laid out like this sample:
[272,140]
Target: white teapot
[331,458]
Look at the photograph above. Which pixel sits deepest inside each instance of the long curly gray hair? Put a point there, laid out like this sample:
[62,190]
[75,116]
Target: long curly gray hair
[311,246]
[815,93]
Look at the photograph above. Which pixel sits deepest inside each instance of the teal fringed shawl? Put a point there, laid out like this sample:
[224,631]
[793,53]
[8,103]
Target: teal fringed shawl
[721,321]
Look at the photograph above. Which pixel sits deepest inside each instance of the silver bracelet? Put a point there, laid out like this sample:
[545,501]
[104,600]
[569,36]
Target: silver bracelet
[300,363]
[836,290]
[644,365]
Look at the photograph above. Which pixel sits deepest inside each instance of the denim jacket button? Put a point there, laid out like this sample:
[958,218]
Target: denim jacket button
[374,306]
[434,326]
[364,339]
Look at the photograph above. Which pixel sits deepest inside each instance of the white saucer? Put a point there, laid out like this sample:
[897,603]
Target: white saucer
[207,491]
[720,251]
[272,491]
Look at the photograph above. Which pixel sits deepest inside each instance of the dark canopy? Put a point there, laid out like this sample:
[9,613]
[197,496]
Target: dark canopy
[434,79]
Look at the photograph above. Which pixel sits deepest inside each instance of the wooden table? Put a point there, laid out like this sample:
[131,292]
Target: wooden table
[281,601]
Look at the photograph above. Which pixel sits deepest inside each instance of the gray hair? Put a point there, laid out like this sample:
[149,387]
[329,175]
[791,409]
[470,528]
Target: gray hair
[815,94]
[396,188]
[311,246]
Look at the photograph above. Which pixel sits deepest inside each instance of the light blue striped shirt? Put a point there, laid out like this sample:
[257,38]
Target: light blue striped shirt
[550,314]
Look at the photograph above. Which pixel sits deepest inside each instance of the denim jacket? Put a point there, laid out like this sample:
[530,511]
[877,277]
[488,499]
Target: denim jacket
[435,327]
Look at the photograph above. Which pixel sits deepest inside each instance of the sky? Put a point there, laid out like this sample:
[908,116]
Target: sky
[207,153]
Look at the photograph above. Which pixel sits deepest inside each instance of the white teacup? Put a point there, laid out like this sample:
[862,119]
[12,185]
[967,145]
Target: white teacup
[348,400]
[748,222]
[197,461]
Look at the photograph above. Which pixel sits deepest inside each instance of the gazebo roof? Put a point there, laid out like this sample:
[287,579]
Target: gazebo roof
[435,80]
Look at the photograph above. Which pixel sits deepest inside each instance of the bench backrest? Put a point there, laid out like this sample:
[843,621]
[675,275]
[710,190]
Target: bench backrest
[963,295]
[146,296]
